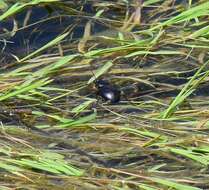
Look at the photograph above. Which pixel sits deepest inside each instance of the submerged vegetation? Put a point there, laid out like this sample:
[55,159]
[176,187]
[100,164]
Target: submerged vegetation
[57,134]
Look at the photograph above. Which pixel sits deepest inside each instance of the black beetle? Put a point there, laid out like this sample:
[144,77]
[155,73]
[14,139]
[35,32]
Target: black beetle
[107,91]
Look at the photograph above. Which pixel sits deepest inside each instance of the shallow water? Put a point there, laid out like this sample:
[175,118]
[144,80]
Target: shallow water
[128,136]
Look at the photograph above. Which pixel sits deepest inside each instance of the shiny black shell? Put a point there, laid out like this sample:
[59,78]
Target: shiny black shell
[107,91]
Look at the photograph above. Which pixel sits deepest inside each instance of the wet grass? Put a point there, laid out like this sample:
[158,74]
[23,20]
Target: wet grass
[57,134]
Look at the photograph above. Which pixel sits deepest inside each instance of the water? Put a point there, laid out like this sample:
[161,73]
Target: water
[149,83]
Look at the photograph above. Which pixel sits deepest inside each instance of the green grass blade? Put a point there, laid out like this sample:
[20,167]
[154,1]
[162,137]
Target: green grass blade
[50,44]
[189,154]
[174,185]
[25,87]
[17,7]
[185,92]
[101,71]
[192,13]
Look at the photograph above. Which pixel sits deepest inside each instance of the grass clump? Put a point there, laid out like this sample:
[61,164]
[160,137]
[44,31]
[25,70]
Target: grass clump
[56,133]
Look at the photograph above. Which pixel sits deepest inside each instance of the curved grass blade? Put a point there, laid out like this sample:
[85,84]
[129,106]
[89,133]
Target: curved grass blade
[20,6]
